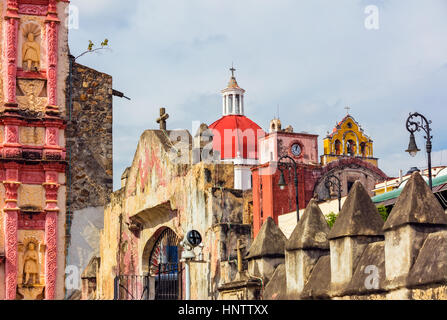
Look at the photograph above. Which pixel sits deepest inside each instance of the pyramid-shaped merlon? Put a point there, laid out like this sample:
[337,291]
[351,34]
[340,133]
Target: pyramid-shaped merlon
[416,205]
[358,217]
[270,242]
[311,232]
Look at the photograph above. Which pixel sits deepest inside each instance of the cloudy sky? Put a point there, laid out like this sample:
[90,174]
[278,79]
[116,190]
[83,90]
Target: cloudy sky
[312,58]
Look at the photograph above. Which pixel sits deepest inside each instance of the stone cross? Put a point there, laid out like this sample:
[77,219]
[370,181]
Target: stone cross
[348,109]
[240,247]
[163,117]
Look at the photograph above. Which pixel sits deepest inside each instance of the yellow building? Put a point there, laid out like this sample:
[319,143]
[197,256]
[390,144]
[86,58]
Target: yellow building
[348,140]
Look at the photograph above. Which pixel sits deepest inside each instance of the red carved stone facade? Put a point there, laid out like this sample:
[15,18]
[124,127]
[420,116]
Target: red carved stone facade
[32,155]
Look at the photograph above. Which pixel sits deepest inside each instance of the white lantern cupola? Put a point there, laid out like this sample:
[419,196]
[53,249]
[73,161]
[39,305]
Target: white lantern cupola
[233,97]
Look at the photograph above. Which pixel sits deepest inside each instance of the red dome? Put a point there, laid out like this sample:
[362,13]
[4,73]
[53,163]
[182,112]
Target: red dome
[235,134]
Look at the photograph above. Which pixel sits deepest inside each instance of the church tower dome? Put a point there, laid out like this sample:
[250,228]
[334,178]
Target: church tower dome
[235,135]
[233,97]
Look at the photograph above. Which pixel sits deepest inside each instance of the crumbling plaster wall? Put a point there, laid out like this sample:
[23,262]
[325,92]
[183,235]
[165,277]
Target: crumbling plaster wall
[160,192]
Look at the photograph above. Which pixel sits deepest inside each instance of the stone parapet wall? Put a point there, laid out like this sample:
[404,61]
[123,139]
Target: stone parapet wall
[361,258]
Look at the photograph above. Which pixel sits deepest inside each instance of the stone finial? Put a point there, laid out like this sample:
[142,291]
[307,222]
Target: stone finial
[358,217]
[416,205]
[269,242]
[275,126]
[311,232]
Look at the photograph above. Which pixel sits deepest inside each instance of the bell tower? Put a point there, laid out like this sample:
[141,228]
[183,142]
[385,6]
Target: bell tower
[233,97]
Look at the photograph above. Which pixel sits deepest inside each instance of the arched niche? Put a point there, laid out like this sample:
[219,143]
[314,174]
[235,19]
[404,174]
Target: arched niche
[31,51]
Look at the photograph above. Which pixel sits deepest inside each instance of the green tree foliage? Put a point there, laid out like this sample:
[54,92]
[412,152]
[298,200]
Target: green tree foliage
[331,218]
[383,212]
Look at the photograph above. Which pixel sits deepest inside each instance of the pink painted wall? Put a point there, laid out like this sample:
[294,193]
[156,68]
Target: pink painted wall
[279,144]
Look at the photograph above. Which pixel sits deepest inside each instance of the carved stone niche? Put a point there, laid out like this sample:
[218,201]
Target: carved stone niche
[31,60]
[31,271]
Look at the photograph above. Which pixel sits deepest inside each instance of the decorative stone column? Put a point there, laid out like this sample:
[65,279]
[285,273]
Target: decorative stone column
[11,212]
[234,104]
[415,216]
[358,225]
[52,210]
[11,32]
[52,149]
[52,31]
[11,146]
[308,242]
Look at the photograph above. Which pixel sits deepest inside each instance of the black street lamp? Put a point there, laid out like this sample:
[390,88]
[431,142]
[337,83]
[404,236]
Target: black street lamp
[414,125]
[333,181]
[282,165]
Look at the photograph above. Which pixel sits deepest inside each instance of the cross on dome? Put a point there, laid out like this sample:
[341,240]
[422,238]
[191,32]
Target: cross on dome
[232,69]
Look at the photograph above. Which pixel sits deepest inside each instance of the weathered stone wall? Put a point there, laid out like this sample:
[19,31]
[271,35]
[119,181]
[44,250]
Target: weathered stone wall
[89,138]
[89,153]
[160,193]
[364,259]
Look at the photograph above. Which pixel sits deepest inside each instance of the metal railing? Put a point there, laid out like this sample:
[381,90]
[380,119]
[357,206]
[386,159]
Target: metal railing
[165,283]
[131,287]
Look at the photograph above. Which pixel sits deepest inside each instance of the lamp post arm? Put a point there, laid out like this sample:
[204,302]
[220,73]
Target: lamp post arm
[330,183]
[413,125]
[281,165]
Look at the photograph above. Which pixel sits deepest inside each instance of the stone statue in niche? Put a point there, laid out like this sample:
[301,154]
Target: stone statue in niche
[31,49]
[31,266]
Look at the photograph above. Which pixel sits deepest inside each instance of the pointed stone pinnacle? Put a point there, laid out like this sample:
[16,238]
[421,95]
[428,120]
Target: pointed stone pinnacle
[416,205]
[358,217]
[270,241]
[311,232]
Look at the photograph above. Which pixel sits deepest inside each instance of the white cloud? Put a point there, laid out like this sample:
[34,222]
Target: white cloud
[311,57]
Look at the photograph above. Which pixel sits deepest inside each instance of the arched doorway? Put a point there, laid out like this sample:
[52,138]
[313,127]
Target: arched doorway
[164,266]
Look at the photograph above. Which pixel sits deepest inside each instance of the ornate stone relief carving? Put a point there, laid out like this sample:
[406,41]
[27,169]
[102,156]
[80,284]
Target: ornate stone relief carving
[33,97]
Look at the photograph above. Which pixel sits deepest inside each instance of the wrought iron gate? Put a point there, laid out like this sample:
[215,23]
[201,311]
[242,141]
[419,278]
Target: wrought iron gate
[131,288]
[168,282]
[165,268]
[165,274]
